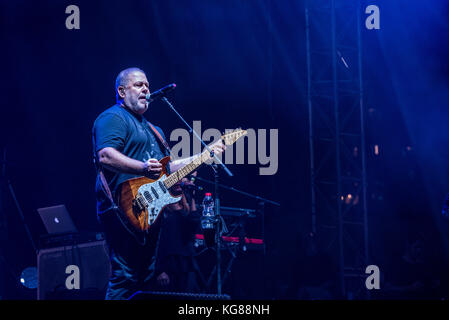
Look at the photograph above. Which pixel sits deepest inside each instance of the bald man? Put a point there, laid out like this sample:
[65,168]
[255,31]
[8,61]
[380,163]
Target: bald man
[126,146]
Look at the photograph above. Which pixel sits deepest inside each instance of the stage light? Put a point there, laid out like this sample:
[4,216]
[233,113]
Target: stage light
[28,278]
[348,198]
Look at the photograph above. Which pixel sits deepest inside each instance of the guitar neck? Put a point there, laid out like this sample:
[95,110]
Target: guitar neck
[229,138]
[188,168]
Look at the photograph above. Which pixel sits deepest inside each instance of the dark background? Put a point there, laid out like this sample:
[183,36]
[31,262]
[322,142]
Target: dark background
[236,63]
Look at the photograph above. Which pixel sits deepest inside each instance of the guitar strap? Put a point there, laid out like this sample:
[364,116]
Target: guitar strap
[105,185]
[162,140]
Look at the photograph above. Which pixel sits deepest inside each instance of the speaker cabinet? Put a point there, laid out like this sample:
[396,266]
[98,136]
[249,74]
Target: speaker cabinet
[73,272]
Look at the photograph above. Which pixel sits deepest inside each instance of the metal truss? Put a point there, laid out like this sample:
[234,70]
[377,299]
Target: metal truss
[337,139]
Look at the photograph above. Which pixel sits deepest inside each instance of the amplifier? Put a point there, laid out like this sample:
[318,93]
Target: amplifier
[68,239]
[75,272]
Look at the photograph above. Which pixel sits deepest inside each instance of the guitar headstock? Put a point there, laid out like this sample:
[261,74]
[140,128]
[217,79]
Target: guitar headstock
[232,136]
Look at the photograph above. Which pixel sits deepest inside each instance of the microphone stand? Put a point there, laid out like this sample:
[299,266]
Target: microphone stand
[219,221]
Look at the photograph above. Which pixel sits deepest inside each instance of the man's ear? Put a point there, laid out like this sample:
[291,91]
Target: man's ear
[121,91]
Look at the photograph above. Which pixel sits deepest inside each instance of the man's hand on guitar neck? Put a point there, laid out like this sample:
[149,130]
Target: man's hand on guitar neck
[217,147]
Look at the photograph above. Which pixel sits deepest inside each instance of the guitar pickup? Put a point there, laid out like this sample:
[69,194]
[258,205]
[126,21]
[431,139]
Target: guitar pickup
[138,203]
[155,193]
[147,196]
[162,186]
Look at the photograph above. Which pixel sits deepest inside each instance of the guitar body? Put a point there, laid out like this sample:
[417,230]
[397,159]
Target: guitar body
[143,199]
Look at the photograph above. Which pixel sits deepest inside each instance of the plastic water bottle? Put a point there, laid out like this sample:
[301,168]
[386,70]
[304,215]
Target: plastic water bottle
[208,212]
[207,220]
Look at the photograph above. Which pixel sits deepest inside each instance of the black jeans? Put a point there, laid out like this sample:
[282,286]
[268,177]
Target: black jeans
[132,260]
[182,274]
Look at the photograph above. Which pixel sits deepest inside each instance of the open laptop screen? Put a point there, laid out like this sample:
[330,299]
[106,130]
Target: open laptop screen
[57,220]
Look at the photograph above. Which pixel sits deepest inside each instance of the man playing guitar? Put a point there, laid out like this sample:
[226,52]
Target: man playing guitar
[127,146]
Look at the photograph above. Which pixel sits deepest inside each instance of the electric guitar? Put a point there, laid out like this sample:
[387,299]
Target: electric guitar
[143,199]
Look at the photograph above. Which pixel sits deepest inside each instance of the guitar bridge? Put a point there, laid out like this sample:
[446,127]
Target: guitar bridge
[138,204]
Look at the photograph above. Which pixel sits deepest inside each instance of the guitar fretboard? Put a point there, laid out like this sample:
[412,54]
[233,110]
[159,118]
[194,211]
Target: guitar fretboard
[228,139]
[184,171]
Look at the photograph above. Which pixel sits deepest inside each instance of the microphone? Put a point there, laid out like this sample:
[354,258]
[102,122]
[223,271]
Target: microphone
[160,93]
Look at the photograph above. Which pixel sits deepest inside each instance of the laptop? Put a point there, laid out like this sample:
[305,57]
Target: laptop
[57,220]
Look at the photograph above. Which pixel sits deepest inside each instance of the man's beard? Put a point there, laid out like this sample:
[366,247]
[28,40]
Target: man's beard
[139,107]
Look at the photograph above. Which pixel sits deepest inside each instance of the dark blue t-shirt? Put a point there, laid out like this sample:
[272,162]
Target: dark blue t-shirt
[121,129]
